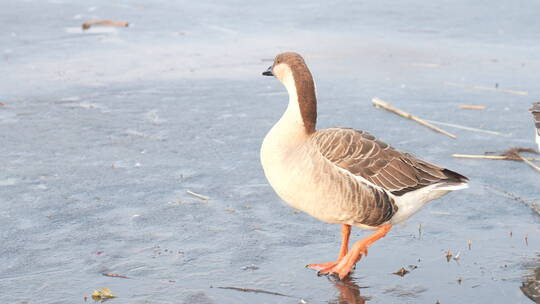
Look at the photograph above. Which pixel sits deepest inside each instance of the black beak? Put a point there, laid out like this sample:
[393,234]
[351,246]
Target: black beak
[268,72]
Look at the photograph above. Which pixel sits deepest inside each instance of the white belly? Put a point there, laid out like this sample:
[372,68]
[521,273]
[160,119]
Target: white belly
[298,179]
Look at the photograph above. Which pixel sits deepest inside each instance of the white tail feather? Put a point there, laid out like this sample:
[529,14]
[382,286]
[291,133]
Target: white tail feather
[452,187]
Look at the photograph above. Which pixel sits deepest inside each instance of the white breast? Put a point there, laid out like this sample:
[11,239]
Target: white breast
[284,138]
[280,148]
[299,179]
[291,170]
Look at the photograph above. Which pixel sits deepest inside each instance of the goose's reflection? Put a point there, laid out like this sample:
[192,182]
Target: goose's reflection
[531,282]
[349,292]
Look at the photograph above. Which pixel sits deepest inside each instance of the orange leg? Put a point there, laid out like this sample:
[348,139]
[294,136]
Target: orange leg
[346,264]
[345,233]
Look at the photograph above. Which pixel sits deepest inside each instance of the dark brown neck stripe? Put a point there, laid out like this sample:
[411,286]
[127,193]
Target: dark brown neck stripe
[305,88]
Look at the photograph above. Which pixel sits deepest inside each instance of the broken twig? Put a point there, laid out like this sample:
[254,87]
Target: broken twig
[528,162]
[115,275]
[88,24]
[382,104]
[463,127]
[204,198]
[254,290]
[472,107]
[496,157]
[463,85]
[514,152]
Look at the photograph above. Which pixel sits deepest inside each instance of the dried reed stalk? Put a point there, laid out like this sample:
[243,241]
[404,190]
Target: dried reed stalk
[464,127]
[528,162]
[382,104]
[514,152]
[496,157]
[463,85]
[88,24]
[472,107]
[197,195]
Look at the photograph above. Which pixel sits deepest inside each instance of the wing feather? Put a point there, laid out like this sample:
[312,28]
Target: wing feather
[363,155]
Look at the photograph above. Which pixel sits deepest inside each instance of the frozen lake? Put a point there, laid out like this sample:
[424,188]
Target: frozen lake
[103,132]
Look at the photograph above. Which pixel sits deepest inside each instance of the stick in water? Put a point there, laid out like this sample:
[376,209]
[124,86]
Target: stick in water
[528,162]
[514,152]
[254,290]
[463,127]
[382,104]
[463,85]
[472,107]
[88,24]
[205,198]
[496,157]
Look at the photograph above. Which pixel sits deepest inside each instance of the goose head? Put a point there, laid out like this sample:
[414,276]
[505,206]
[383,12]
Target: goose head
[291,70]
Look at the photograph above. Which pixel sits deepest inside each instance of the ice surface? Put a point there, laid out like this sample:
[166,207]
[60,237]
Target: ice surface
[103,132]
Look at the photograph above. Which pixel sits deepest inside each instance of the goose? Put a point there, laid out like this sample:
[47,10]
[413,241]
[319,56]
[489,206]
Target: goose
[341,175]
[535,110]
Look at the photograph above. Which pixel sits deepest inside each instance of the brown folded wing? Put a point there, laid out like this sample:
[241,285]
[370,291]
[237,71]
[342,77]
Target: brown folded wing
[363,155]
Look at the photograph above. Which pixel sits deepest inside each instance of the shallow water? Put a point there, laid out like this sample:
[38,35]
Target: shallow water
[104,131]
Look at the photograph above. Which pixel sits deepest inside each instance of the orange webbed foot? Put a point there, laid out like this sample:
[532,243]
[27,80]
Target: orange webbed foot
[324,268]
[341,267]
[321,266]
[345,265]
[348,263]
